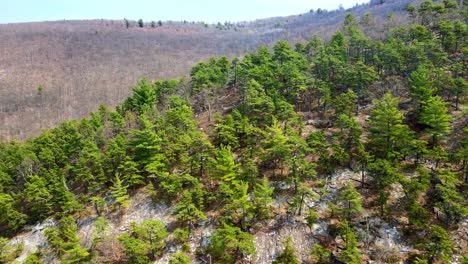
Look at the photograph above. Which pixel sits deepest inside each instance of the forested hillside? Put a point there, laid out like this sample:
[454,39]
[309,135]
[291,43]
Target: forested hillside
[55,71]
[353,149]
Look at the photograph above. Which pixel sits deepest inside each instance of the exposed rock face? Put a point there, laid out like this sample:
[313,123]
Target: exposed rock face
[379,239]
[269,244]
[460,238]
[33,239]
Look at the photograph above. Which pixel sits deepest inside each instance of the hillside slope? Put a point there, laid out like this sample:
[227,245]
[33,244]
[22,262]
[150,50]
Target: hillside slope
[346,151]
[82,64]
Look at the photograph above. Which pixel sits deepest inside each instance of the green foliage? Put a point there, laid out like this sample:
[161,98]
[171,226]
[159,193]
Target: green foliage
[389,137]
[145,241]
[182,235]
[262,199]
[350,253]
[33,259]
[224,132]
[230,243]
[9,251]
[225,168]
[188,210]
[238,207]
[179,258]
[119,193]
[452,203]
[349,202]
[10,217]
[434,115]
[320,255]
[214,73]
[288,256]
[258,137]
[311,217]
[101,226]
[296,203]
[346,103]
[145,143]
[143,99]
[439,246]
[384,173]
[64,242]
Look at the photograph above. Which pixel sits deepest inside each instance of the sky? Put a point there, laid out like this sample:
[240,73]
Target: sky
[211,11]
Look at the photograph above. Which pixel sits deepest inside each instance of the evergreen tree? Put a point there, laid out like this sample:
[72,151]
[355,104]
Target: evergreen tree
[229,244]
[346,103]
[119,193]
[145,241]
[420,86]
[449,200]
[33,259]
[349,202]
[145,143]
[37,197]
[143,99]
[350,252]
[320,255]
[438,245]
[288,256]
[10,217]
[225,167]
[434,115]
[179,258]
[262,199]
[388,137]
[188,211]
[298,200]
[384,173]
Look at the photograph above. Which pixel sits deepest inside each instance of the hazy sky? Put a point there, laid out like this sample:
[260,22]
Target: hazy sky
[191,10]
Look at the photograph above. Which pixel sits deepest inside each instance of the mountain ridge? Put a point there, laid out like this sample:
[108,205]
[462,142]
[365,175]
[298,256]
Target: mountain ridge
[79,65]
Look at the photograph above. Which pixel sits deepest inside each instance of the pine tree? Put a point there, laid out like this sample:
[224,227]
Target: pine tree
[179,258]
[288,256]
[188,211]
[225,167]
[384,173]
[33,259]
[229,244]
[349,201]
[350,136]
[145,143]
[438,245]
[350,252]
[298,200]
[153,233]
[144,243]
[320,255]
[238,208]
[143,99]
[225,132]
[119,193]
[346,103]
[448,199]
[420,86]
[10,216]
[434,115]
[262,199]
[388,137]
